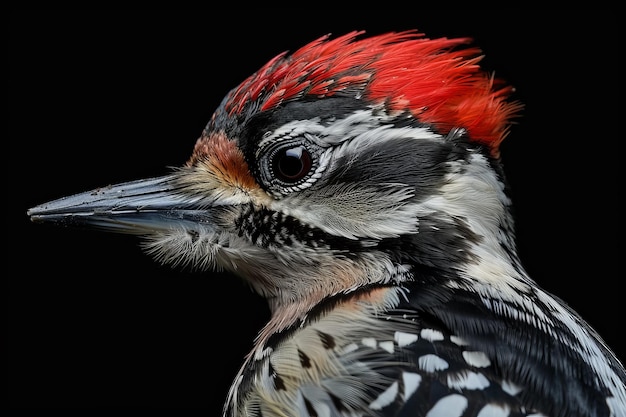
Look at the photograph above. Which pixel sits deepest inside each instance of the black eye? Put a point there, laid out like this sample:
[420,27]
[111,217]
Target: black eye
[287,164]
[292,164]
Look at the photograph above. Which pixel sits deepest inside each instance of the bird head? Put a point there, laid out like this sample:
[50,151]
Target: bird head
[353,161]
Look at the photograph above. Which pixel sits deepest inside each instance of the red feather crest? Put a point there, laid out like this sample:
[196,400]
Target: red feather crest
[437,81]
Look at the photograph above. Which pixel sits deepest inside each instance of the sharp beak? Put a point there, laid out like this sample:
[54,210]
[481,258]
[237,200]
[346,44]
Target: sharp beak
[136,207]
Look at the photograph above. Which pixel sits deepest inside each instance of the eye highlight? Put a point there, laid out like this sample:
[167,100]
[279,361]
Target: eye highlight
[289,164]
[292,164]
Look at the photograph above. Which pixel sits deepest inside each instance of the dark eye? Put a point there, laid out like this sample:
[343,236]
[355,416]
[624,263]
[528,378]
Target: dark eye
[292,164]
[289,164]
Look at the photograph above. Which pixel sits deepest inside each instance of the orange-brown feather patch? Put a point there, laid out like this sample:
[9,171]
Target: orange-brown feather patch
[223,159]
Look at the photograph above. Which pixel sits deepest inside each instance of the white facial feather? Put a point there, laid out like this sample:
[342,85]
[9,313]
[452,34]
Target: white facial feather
[354,212]
[349,210]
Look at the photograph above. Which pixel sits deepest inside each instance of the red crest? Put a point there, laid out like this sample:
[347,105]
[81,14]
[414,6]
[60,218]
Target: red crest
[438,80]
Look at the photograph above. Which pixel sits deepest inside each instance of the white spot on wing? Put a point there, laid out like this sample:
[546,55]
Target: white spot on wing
[451,406]
[351,347]
[404,339]
[477,359]
[493,410]
[369,342]
[411,382]
[385,398]
[468,380]
[431,335]
[458,340]
[388,346]
[432,363]
[510,388]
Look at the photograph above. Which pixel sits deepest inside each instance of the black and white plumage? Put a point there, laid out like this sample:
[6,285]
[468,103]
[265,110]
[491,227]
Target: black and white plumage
[392,290]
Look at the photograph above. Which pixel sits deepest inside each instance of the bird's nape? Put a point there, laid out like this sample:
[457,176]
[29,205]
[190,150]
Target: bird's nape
[392,291]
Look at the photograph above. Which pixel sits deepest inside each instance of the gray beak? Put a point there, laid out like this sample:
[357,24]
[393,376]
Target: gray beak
[135,207]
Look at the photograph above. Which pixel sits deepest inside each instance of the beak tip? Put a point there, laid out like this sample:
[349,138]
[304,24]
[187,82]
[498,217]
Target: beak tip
[34,212]
[31,213]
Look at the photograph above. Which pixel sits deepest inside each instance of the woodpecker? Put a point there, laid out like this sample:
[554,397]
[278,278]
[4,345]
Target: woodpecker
[357,185]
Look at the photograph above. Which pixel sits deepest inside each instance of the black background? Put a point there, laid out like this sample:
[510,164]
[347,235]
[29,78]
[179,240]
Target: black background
[99,97]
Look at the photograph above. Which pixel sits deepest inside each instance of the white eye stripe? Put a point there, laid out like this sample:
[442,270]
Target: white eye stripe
[340,140]
[306,129]
[359,122]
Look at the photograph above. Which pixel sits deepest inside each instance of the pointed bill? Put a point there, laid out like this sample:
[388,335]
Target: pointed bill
[134,207]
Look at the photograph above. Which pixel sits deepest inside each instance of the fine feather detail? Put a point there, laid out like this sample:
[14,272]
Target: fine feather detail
[438,80]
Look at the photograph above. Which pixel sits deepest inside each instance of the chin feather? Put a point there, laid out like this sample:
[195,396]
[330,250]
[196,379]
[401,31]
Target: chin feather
[195,249]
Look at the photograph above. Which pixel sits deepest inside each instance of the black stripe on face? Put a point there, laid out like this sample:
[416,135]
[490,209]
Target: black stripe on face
[419,164]
[265,227]
[437,246]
